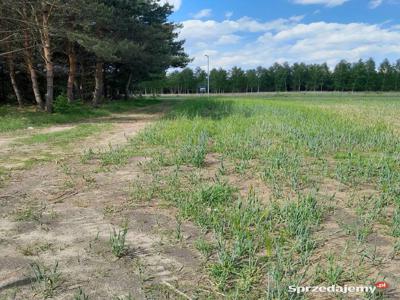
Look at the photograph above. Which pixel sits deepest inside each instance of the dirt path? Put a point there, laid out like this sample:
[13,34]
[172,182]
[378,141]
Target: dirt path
[124,126]
[64,213]
[15,155]
[6,140]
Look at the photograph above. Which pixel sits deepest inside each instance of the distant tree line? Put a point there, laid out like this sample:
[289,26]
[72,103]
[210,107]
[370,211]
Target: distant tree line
[85,49]
[346,76]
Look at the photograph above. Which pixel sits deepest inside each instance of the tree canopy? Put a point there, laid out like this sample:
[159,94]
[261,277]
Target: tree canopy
[345,76]
[84,48]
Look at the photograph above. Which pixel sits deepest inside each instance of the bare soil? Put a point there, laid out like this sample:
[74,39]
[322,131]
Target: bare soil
[63,212]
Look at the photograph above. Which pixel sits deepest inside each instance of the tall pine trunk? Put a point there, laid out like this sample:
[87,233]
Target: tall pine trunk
[99,83]
[35,85]
[48,61]
[80,84]
[32,72]
[72,72]
[128,85]
[11,67]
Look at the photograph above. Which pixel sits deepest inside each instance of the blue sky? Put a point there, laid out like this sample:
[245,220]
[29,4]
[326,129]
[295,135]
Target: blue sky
[261,32]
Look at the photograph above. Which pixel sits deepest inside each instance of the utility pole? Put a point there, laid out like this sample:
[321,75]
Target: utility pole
[208,75]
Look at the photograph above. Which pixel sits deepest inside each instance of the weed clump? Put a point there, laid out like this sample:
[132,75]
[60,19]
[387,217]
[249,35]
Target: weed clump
[80,295]
[216,194]
[194,151]
[118,241]
[47,279]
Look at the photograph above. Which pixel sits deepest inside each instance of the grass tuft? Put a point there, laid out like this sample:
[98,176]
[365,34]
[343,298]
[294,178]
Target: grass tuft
[118,241]
[47,279]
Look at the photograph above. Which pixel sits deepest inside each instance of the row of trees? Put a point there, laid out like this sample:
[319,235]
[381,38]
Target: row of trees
[84,48]
[359,76]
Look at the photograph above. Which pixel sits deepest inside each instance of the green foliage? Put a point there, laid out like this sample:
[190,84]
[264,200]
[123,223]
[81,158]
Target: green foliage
[87,155]
[195,151]
[115,156]
[62,105]
[219,193]
[31,212]
[204,247]
[332,274]
[118,240]
[300,217]
[80,295]
[361,229]
[47,278]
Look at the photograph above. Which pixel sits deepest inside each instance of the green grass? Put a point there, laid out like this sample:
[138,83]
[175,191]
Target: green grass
[46,279]
[80,295]
[32,212]
[12,118]
[297,147]
[117,241]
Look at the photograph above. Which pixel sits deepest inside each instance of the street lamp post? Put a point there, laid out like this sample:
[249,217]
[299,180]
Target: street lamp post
[208,75]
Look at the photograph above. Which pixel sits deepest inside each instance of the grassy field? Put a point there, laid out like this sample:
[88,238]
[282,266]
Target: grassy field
[284,191]
[288,192]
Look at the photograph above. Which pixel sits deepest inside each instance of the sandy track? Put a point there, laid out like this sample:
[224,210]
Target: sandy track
[72,226]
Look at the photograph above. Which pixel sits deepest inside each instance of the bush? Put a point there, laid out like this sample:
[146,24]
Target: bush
[63,106]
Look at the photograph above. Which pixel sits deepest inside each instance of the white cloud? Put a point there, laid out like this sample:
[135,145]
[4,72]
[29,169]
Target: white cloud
[328,3]
[263,43]
[296,19]
[229,14]
[175,3]
[204,13]
[375,3]
[229,39]
[197,30]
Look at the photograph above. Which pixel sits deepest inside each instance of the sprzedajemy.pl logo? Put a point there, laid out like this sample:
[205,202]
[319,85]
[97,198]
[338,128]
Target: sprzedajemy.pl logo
[339,289]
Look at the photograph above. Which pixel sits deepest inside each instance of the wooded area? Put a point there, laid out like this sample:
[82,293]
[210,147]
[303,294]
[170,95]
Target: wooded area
[87,50]
[83,49]
[346,76]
